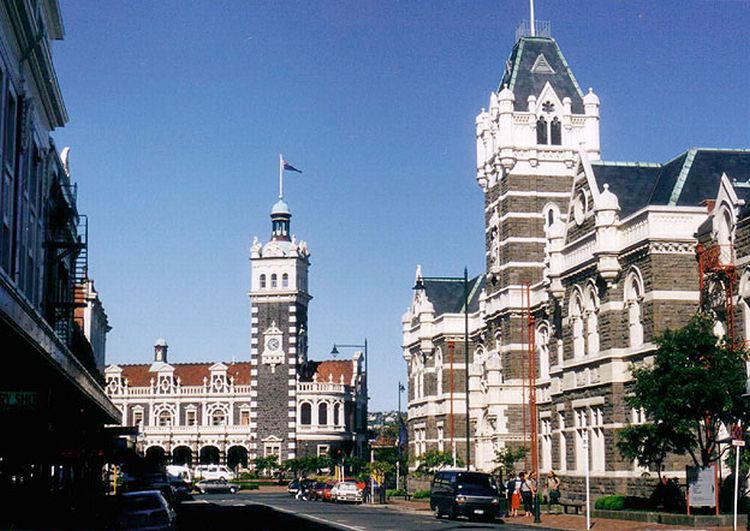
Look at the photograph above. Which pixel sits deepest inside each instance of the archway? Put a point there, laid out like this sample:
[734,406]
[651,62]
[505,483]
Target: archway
[237,457]
[209,455]
[182,455]
[156,455]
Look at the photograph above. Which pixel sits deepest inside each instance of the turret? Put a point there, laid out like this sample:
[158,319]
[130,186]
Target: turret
[160,350]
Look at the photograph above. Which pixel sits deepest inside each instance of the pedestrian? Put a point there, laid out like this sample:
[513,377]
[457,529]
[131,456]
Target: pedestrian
[527,493]
[515,498]
[553,490]
[510,488]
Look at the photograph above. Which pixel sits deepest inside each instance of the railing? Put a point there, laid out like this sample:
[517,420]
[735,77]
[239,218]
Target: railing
[717,257]
[542,28]
[197,430]
[183,390]
[322,387]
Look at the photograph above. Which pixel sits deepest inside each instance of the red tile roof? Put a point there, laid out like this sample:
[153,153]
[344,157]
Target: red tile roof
[138,375]
[334,368]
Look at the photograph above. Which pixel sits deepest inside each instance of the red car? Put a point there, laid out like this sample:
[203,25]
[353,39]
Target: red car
[323,491]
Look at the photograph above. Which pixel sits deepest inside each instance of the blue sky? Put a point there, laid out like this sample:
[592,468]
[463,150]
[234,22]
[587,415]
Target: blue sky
[179,110]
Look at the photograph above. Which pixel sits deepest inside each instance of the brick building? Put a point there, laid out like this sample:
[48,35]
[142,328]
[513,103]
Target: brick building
[599,256]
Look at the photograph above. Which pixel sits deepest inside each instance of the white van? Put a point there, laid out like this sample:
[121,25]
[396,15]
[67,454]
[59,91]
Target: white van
[213,472]
[181,471]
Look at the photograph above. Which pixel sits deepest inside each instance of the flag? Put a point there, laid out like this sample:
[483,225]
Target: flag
[289,167]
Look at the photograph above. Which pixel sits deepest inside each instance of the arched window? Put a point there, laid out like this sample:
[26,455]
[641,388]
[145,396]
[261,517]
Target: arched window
[542,346]
[337,415]
[165,418]
[285,280]
[592,321]
[218,418]
[263,281]
[305,414]
[555,132]
[633,297]
[541,131]
[576,316]
[322,414]
[274,281]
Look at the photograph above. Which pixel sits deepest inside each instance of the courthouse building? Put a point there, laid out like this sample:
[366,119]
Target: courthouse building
[278,403]
[599,257]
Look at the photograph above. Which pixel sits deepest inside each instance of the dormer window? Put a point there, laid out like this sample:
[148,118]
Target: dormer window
[548,132]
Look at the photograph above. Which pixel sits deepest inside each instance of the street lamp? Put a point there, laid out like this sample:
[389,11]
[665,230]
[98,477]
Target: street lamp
[335,352]
[419,285]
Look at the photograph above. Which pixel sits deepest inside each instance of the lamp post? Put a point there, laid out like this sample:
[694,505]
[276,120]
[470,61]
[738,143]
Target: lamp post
[401,389]
[419,285]
[335,352]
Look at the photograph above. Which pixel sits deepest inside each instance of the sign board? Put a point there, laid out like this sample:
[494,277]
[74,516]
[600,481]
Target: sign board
[702,486]
[738,442]
[16,400]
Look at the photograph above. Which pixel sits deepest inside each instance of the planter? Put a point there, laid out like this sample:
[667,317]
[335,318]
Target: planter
[700,520]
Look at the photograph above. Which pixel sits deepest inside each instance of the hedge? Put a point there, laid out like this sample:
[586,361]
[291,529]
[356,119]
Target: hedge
[620,503]
[421,494]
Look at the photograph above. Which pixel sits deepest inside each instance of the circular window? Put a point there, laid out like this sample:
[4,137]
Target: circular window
[580,207]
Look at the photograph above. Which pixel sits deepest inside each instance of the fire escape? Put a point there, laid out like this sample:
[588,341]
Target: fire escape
[67,262]
[717,278]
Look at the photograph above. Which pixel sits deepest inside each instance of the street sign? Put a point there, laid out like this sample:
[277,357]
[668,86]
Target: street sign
[15,400]
[738,442]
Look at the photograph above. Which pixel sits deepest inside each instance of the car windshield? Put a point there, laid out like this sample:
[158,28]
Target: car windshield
[475,479]
[145,502]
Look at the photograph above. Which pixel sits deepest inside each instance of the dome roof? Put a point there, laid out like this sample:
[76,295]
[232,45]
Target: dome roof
[280,208]
[161,342]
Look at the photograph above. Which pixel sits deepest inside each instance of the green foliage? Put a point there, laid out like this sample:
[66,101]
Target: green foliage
[623,503]
[694,385]
[395,492]
[507,458]
[265,465]
[432,460]
[422,494]
[610,503]
[247,485]
[302,466]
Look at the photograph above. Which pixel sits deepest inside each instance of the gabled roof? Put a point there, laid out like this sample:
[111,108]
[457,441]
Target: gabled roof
[139,375]
[525,80]
[687,180]
[447,296]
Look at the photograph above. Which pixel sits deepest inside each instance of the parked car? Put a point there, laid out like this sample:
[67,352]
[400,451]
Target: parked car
[215,486]
[143,510]
[323,491]
[181,471]
[213,472]
[152,481]
[459,493]
[346,491]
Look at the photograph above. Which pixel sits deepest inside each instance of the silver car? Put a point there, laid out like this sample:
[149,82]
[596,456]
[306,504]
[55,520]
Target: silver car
[145,510]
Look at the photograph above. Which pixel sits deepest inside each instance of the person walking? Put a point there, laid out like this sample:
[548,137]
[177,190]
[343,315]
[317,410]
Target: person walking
[553,490]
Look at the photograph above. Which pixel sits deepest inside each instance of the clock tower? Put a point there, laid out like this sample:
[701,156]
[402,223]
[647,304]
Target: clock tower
[279,299]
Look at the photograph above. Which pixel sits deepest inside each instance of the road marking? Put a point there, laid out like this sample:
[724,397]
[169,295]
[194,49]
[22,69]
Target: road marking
[318,519]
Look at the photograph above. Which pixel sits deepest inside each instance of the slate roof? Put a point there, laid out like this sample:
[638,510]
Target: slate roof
[139,375]
[523,82]
[687,180]
[447,296]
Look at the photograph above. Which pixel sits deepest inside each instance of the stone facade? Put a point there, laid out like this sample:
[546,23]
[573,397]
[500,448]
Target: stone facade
[589,259]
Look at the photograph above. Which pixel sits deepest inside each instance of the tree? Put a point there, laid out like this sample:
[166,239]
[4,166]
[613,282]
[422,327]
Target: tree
[431,460]
[265,464]
[507,457]
[693,387]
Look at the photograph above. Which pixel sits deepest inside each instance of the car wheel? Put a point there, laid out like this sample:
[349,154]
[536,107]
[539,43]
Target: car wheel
[436,511]
[452,513]
[232,490]
[222,478]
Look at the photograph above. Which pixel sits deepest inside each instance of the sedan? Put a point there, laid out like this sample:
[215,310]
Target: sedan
[346,491]
[215,486]
[143,510]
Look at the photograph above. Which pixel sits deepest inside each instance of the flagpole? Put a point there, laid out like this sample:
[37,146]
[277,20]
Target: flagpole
[281,176]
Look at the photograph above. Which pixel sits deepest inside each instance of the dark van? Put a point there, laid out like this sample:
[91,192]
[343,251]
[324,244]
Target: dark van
[459,493]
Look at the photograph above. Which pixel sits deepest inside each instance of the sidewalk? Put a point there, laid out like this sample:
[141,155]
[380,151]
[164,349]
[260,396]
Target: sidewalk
[560,521]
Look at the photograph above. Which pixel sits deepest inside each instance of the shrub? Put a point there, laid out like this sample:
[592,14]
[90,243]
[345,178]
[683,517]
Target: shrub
[395,492]
[422,494]
[247,486]
[610,503]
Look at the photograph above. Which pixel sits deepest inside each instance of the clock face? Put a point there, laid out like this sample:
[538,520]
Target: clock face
[273,344]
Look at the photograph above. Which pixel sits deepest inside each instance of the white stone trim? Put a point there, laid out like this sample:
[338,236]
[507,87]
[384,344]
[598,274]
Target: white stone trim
[587,402]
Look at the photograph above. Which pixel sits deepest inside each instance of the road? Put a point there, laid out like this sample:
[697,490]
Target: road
[271,511]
